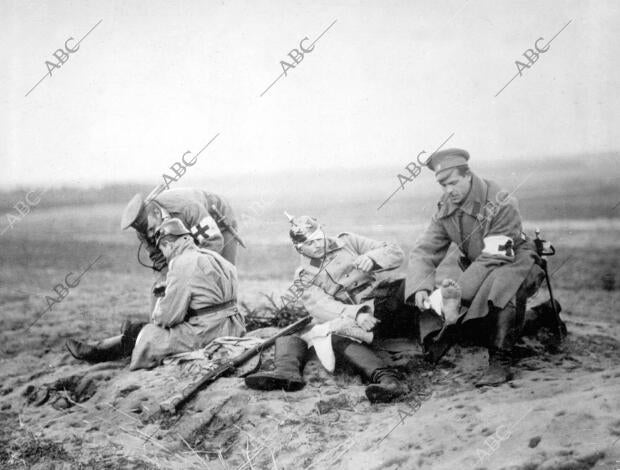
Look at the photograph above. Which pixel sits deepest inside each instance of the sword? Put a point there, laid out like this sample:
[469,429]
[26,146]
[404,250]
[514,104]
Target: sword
[221,219]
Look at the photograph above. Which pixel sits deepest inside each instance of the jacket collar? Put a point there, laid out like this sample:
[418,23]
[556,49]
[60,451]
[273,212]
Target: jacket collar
[180,245]
[473,202]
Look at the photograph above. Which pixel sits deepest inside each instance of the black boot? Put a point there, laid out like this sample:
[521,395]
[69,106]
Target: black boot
[498,371]
[386,386]
[436,346]
[130,331]
[290,358]
[107,350]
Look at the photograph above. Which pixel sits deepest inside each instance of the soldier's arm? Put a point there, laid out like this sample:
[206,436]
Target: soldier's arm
[194,214]
[320,305]
[171,309]
[385,255]
[430,250]
[323,307]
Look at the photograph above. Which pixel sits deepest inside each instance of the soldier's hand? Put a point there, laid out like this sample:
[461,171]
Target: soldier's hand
[366,321]
[159,286]
[421,297]
[364,263]
[159,289]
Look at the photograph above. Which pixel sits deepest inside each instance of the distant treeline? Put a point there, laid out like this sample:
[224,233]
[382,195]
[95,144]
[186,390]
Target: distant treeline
[65,196]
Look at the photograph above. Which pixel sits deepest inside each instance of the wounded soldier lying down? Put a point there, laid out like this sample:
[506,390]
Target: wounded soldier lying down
[198,306]
[337,285]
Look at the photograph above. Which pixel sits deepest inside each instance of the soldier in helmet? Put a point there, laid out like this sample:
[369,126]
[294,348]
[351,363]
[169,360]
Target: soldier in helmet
[198,306]
[338,284]
[500,268]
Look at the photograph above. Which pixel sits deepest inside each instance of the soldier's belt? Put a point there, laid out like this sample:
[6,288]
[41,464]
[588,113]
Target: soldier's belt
[212,309]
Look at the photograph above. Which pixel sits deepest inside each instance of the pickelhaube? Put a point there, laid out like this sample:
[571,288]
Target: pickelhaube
[172,226]
[302,227]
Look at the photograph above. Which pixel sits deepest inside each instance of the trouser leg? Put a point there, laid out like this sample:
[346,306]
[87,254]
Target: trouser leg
[397,319]
[385,381]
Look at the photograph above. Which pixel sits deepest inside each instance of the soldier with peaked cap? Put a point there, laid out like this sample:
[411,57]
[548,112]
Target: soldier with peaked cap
[196,208]
[199,305]
[338,283]
[500,266]
[208,216]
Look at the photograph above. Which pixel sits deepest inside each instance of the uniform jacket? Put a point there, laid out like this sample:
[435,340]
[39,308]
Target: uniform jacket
[191,206]
[335,287]
[487,210]
[197,278]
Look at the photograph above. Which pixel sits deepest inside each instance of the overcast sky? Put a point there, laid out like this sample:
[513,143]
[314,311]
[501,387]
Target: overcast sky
[389,79]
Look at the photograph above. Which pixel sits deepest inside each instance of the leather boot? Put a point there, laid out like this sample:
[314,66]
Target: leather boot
[290,359]
[385,384]
[385,387]
[130,331]
[504,327]
[106,350]
[435,347]
[498,371]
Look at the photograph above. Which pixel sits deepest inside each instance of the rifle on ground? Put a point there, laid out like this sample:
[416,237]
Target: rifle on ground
[544,248]
[176,403]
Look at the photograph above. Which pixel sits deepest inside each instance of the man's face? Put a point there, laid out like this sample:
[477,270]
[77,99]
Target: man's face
[454,185]
[153,220]
[314,248]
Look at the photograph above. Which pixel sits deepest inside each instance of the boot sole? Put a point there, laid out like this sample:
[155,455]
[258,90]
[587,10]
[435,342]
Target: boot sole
[272,383]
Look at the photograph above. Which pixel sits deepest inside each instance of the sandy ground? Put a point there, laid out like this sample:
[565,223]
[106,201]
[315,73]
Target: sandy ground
[562,411]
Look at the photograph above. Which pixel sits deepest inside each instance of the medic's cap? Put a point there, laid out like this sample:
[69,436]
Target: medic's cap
[134,215]
[447,159]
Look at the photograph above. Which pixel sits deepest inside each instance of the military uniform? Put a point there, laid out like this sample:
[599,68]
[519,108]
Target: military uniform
[194,207]
[334,287]
[494,284]
[199,305]
[335,291]
[486,279]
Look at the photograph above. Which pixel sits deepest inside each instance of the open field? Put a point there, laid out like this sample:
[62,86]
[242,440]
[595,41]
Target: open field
[562,411]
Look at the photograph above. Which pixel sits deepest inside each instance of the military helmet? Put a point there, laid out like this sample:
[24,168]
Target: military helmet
[172,226]
[302,228]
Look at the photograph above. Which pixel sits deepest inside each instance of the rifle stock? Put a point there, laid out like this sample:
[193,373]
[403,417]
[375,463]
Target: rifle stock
[178,401]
